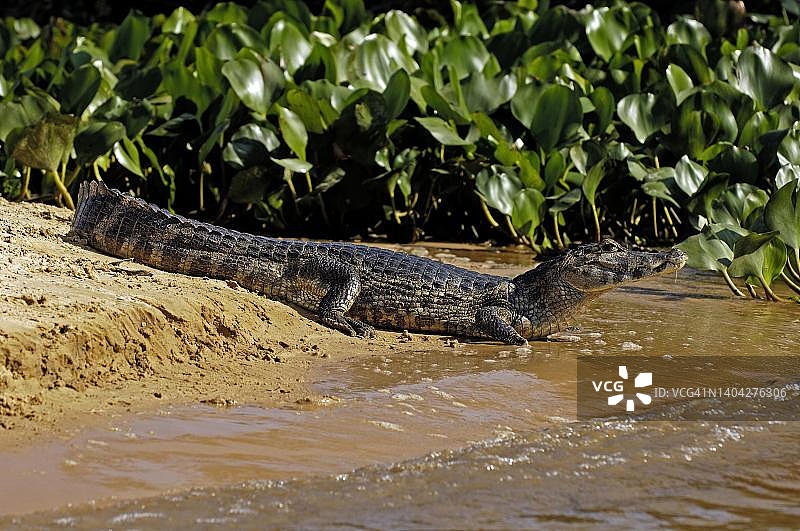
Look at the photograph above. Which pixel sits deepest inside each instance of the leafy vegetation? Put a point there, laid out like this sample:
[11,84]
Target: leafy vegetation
[522,121]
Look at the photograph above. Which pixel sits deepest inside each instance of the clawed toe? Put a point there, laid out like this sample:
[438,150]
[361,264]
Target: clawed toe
[362,330]
[348,325]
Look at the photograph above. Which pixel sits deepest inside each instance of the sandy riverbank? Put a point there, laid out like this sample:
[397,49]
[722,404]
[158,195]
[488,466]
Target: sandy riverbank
[84,336]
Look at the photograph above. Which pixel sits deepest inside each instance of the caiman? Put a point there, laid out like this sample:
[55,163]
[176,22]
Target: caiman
[354,288]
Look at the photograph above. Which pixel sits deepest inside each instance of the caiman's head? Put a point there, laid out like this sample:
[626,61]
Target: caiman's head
[608,264]
[544,297]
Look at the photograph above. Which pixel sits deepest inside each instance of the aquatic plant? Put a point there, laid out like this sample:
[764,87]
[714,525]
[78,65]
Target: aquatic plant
[520,120]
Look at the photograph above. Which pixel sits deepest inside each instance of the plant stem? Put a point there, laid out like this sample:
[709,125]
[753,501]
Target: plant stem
[201,198]
[669,220]
[770,294]
[655,219]
[26,179]
[287,174]
[789,282]
[324,210]
[308,182]
[63,190]
[792,270]
[488,214]
[752,290]
[72,176]
[596,223]
[559,241]
[736,291]
[512,230]
[633,210]
[96,169]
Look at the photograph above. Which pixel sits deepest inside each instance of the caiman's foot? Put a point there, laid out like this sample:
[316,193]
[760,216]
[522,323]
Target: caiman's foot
[348,325]
[495,322]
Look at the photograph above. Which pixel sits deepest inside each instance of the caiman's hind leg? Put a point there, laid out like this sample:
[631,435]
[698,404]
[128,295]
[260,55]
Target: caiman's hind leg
[343,285]
[495,322]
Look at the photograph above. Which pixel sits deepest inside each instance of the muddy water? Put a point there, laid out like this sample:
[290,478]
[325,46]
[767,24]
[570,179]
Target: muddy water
[473,435]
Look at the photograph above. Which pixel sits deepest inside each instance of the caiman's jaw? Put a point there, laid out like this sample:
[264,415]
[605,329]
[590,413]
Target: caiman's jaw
[605,265]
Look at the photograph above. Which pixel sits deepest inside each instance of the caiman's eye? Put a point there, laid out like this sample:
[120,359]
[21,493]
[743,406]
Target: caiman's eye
[608,247]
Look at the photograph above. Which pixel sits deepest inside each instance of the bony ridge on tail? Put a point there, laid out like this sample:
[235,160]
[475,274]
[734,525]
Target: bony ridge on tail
[354,288]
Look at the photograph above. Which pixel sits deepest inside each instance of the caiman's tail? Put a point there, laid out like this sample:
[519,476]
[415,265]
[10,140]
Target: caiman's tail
[93,198]
[124,226]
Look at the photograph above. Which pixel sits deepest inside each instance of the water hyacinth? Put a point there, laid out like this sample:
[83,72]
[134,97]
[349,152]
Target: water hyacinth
[521,121]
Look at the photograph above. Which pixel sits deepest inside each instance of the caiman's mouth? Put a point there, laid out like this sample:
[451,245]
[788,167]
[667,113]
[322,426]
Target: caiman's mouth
[674,260]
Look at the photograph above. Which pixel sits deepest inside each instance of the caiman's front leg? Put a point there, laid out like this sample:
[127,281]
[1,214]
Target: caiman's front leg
[495,322]
[343,286]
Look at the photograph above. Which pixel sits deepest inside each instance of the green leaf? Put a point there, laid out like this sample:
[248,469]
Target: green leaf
[97,139]
[691,61]
[296,165]
[208,67]
[254,80]
[377,59]
[680,82]
[227,12]
[789,148]
[705,253]
[250,146]
[130,37]
[759,255]
[249,185]
[608,29]
[526,211]
[442,131]
[128,155]
[603,101]
[689,31]
[764,76]
[47,143]
[498,187]
[689,175]
[552,112]
[466,54]
[442,106]
[554,169]
[293,131]
[736,162]
[227,40]
[403,28]
[642,114]
[292,45]
[486,95]
[138,83]
[788,173]
[305,106]
[565,201]
[783,214]
[180,19]
[79,89]
[212,139]
[397,92]
[27,111]
[592,181]
[660,190]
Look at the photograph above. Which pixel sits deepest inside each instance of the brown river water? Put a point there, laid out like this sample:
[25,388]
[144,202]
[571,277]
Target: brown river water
[477,435]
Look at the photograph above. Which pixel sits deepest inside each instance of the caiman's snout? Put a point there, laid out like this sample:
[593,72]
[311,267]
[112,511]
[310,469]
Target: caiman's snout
[677,258]
[673,260]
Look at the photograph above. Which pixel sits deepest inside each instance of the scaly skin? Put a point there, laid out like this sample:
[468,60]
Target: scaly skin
[354,288]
